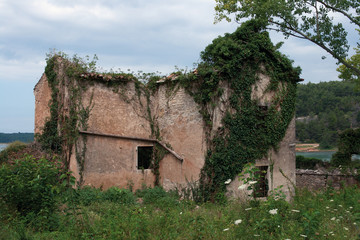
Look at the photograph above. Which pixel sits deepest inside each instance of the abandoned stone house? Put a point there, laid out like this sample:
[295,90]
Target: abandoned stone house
[124,127]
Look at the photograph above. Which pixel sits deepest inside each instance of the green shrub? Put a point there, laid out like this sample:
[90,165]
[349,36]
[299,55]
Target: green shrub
[30,186]
[11,148]
[88,195]
[115,194]
[307,163]
[341,158]
[158,196]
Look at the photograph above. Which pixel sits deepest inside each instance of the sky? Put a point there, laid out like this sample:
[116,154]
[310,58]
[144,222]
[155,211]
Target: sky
[144,35]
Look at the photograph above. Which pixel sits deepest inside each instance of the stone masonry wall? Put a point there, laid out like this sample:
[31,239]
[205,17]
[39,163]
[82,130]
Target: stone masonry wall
[319,179]
[124,114]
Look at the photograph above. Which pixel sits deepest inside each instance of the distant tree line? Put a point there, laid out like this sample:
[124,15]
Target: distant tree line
[325,109]
[11,137]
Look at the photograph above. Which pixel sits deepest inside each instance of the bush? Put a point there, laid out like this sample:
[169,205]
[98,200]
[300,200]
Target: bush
[341,158]
[307,163]
[11,148]
[158,196]
[115,194]
[88,195]
[30,186]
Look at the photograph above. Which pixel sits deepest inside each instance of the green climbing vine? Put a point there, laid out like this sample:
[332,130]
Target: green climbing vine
[50,138]
[61,130]
[249,129]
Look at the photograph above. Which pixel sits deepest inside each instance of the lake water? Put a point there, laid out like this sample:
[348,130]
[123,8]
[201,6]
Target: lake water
[2,146]
[325,156]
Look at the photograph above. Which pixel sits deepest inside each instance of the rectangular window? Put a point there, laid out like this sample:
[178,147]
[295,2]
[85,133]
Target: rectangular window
[262,186]
[144,157]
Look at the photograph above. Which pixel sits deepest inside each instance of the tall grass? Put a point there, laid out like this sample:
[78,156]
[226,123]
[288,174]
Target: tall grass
[119,214]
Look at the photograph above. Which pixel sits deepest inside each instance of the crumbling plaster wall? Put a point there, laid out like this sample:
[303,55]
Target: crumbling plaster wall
[181,126]
[111,161]
[42,94]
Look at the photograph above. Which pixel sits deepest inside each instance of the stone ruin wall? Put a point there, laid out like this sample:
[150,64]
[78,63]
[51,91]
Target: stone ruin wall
[111,161]
[125,114]
[322,179]
[42,94]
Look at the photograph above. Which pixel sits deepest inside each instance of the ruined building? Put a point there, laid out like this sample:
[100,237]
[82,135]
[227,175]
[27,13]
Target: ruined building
[236,107]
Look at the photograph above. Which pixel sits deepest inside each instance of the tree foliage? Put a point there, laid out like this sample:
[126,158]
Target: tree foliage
[312,20]
[345,73]
[12,137]
[324,109]
[348,144]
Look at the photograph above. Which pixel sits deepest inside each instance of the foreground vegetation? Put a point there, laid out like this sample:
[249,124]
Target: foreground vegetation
[38,204]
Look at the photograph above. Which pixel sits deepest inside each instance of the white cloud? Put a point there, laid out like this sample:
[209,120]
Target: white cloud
[138,34]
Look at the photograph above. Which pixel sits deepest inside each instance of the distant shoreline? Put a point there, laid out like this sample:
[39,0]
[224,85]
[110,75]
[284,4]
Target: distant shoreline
[311,147]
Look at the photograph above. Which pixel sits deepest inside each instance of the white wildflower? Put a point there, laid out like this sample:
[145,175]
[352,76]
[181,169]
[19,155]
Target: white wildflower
[247,209]
[273,211]
[331,200]
[327,207]
[331,232]
[237,221]
[340,206]
[351,207]
[301,235]
[226,229]
[228,181]
[252,182]
[256,235]
[242,187]
[294,210]
[346,228]
[354,223]
[180,213]
[333,218]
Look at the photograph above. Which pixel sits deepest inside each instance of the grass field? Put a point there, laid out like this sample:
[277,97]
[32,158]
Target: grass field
[154,214]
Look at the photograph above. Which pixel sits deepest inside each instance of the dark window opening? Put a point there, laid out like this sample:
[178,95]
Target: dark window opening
[262,186]
[144,157]
[263,109]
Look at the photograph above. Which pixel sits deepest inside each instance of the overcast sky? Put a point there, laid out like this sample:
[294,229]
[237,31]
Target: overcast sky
[147,35]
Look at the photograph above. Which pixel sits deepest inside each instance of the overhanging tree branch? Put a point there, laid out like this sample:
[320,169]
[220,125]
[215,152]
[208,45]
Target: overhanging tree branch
[340,59]
[303,19]
[340,11]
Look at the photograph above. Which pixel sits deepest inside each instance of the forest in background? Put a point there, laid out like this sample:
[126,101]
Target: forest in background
[11,137]
[324,109]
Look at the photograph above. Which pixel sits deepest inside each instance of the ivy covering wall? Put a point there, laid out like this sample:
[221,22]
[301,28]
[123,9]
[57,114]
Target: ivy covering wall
[249,130]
